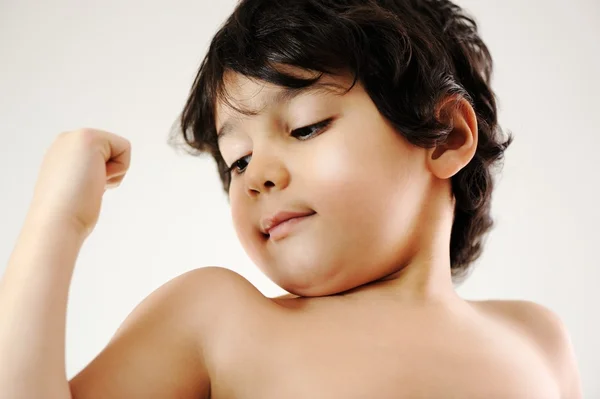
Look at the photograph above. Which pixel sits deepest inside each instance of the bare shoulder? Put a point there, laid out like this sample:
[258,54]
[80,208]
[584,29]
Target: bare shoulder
[544,328]
[218,283]
[542,323]
[161,348]
[216,297]
[201,293]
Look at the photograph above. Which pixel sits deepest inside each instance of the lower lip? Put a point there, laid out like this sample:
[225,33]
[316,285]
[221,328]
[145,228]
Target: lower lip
[283,229]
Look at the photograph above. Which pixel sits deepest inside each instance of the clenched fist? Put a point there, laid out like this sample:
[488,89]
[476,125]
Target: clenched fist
[76,171]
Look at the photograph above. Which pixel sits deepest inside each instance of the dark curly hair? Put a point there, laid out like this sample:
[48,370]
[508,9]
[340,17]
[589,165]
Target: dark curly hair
[408,54]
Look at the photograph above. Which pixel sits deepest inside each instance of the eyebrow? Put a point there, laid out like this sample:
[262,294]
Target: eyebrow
[283,96]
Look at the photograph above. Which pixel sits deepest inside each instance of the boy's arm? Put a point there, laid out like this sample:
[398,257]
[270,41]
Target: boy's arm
[156,353]
[551,335]
[33,301]
[554,338]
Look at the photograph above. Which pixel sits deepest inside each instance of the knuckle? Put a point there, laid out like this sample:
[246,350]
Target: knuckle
[75,134]
[85,133]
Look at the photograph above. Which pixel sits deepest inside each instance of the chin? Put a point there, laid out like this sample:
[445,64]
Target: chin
[311,281]
[318,290]
[314,290]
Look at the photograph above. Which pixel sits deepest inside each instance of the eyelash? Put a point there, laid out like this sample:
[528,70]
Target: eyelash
[319,127]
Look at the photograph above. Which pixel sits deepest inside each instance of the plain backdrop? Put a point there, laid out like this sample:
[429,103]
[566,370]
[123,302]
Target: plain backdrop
[127,66]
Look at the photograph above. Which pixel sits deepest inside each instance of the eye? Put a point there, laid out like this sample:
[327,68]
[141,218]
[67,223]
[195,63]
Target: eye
[239,166]
[303,133]
[309,131]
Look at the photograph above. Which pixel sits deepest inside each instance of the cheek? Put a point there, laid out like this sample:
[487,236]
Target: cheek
[365,181]
[331,166]
[238,217]
[351,168]
[243,224]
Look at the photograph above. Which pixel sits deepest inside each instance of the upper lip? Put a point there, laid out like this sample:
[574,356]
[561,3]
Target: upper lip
[268,223]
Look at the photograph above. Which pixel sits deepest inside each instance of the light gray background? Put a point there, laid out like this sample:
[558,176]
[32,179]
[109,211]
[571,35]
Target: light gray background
[127,66]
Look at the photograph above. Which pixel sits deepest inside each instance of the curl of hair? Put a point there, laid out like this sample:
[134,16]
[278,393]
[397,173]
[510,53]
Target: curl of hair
[408,54]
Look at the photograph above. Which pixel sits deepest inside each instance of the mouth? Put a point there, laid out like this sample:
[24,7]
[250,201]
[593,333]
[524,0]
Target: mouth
[282,224]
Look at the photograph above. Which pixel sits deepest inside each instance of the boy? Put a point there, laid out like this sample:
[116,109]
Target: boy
[355,140]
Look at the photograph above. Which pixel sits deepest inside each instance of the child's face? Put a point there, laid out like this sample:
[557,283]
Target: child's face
[365,186]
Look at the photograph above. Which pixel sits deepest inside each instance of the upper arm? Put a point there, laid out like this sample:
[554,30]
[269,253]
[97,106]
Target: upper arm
[549,332]
[157,352]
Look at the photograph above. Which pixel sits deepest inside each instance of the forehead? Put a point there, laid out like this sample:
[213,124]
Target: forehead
[242,95]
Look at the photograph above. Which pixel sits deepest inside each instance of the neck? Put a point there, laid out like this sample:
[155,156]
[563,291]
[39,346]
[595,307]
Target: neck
[426,277]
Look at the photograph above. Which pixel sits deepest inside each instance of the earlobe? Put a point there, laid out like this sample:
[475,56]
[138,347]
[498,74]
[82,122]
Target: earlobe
[448,158]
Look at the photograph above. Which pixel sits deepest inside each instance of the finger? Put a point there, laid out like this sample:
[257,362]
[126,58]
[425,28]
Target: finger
[114,182]
[118,166]
[118,156]
[114,147]
[120,151]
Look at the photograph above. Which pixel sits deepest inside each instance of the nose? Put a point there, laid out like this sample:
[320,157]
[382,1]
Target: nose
[265,172]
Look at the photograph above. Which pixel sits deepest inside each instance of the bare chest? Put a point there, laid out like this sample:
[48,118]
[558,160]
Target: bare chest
[411,374]
[370,361]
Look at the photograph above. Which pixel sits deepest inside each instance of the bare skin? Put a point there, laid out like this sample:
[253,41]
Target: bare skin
[345,348]
[358,345]
[372,313]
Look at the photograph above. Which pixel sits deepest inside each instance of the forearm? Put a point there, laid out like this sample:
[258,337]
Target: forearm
[33,305]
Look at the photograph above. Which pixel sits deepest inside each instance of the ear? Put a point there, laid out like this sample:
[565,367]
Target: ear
[449,157]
